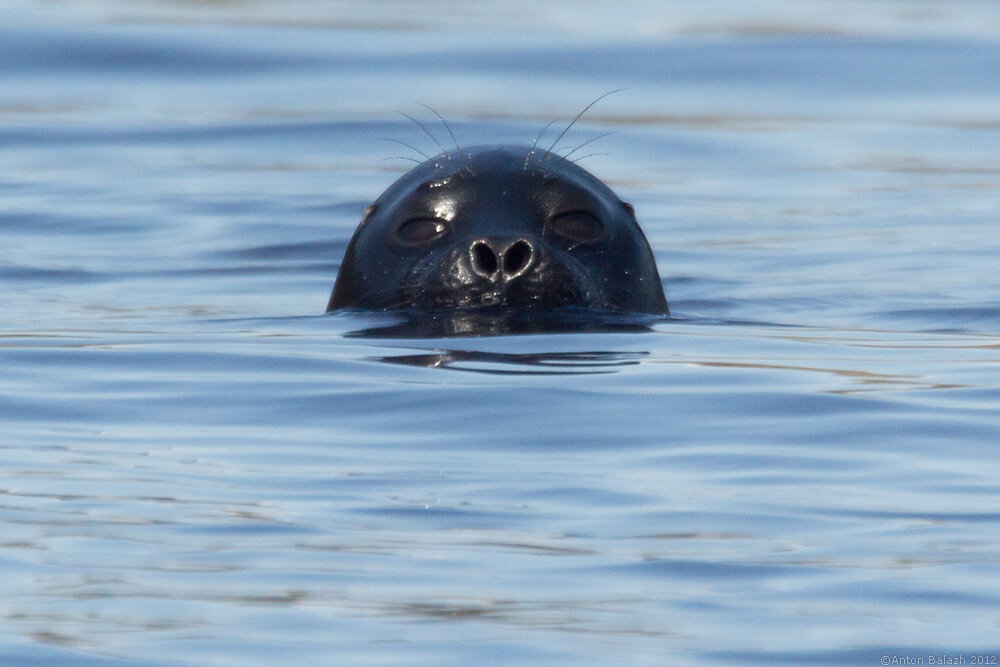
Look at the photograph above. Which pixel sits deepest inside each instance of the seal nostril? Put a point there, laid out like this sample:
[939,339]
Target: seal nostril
[484,260]
[516,258]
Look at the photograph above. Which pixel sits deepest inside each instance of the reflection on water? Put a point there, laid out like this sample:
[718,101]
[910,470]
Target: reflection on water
[534,364]
[200,467]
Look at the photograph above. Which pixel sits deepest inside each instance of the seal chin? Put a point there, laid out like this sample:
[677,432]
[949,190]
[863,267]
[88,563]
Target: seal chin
[432,294]
[554,294]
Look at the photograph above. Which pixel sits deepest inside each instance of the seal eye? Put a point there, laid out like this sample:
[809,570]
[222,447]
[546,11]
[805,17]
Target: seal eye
[578,226]
[420,231]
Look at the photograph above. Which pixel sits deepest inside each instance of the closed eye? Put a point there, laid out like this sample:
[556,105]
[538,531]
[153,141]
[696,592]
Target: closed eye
[416,232]
[578,226]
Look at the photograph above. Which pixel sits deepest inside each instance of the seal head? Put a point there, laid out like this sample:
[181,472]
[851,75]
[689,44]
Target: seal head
[505,226]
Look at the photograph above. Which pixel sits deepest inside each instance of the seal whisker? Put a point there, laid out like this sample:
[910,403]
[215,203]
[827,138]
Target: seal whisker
[429,134]
[412,148]
[531,151]
[587,156]
[398,298]
[401,157]
[565,156]
[548,153]
[564,162]
[458,149]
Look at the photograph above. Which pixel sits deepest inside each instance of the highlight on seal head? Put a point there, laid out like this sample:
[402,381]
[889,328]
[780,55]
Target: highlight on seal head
[506,226]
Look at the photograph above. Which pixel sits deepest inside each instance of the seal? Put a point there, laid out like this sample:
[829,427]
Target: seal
[499,226]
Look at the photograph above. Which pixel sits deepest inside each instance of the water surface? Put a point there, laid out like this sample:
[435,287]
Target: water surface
[200,467]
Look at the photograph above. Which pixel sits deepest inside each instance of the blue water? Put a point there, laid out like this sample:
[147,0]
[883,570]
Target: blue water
[197,466]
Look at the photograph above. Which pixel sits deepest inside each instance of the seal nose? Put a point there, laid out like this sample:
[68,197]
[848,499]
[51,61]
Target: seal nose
[484,259]
[509,263]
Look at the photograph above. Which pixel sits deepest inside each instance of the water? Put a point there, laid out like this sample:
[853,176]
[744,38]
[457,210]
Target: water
[199,467]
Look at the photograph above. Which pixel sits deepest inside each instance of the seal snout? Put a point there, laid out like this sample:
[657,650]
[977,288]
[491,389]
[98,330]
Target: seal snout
[500,260]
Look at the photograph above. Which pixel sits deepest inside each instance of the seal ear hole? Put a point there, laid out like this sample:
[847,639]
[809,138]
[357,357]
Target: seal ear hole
[628,207]
[419,231]
[577,226]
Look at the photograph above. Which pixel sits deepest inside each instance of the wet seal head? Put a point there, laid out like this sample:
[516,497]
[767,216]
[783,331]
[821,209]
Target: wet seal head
[499,226]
